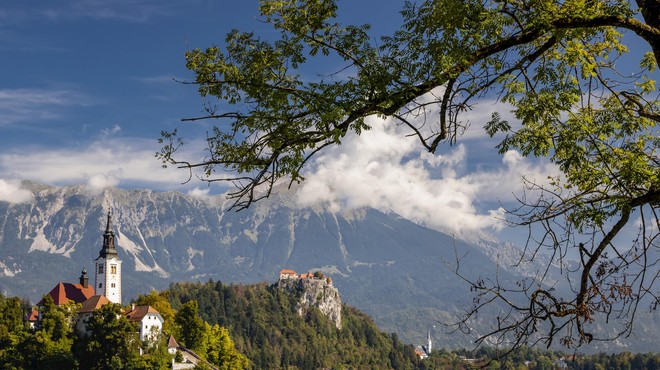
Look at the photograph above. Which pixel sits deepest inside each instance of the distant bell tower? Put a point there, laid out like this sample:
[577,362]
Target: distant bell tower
[107,274]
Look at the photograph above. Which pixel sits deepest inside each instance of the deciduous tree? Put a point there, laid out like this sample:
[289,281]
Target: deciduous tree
[113,341]
[561,68]
[221,349]
[191,327]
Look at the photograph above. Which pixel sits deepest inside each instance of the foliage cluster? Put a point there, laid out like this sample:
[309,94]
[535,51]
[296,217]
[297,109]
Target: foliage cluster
[535,359]
[112,341]
[211,342]
[266,327]
[112,344]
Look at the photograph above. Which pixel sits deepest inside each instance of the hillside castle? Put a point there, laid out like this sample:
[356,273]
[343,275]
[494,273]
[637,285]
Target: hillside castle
[317,291]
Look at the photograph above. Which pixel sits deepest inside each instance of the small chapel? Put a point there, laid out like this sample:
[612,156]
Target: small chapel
[106,289]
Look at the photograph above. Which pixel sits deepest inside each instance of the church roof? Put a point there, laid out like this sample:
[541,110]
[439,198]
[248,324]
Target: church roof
[171,342]
[94,303]
[139,312]
[62,293]
[33,316]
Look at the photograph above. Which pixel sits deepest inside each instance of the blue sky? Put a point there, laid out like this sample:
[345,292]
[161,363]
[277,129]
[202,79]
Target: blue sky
[89,77]
[87,86]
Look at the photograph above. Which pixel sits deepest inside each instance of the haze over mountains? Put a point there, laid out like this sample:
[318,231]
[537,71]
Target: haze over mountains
[391,268]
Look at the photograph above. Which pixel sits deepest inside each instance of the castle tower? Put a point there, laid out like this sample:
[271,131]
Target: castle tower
[107,272]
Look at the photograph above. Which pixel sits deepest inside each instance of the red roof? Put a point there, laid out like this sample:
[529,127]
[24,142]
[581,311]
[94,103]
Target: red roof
[171,342]
[65,292]
[33,316]
[287,272]
[94,303]
[139,312]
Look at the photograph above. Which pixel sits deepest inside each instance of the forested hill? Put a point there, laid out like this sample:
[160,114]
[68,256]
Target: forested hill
[265,326]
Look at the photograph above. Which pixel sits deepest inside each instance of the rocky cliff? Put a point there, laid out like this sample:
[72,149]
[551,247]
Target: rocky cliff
[315,292]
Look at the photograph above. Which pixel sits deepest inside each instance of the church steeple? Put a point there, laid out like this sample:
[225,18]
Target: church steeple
[107,271]
[108,248]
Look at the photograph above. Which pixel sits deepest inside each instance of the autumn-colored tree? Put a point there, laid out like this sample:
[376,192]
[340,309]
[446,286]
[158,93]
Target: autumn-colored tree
[159,302]
[221,350]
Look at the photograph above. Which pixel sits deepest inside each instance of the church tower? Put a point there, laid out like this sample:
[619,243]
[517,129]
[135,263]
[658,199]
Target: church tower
[107,274]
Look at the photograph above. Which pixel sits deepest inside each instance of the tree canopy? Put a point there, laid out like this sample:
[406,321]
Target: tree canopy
[561,68]
[263,323]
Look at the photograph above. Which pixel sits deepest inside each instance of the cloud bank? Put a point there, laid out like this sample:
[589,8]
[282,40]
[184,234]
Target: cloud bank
[109,161]
[388,171]
[20,105]
[11,191]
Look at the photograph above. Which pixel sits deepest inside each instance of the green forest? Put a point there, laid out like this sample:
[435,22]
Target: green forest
[265,326]
[248,326]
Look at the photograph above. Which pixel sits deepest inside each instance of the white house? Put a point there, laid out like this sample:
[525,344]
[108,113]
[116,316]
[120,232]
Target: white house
[149,320]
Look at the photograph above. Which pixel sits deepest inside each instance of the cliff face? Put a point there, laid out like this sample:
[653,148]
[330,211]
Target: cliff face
[316,293]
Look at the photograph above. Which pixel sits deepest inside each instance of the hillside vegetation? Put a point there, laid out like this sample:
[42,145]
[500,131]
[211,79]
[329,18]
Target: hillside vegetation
[250,326]
[263,322]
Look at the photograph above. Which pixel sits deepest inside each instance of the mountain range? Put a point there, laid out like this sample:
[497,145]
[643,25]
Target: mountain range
[395,270]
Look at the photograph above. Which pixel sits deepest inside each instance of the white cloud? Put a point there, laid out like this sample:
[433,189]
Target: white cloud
[134,11]
[112,161]
[115,129]
[11,191]
[502,183]
[386,170]
[649,224]
[19,105]
[200,193]
[96,183]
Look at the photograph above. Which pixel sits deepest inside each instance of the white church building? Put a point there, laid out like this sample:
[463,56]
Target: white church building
[107,289]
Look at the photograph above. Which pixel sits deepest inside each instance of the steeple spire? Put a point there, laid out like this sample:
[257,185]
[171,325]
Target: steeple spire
[107,274]
[108,248]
